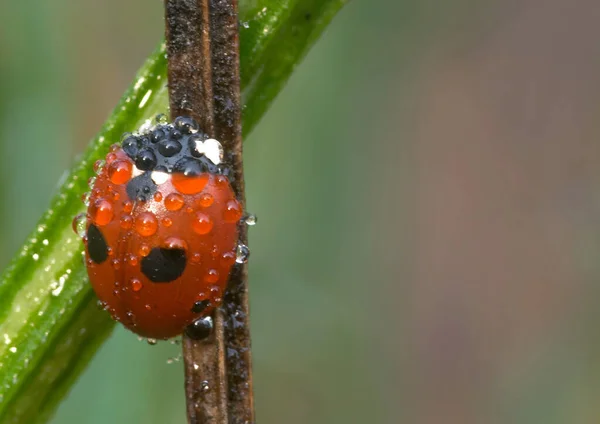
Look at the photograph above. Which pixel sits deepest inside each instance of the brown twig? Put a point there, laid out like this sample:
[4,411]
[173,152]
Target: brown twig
[203,67]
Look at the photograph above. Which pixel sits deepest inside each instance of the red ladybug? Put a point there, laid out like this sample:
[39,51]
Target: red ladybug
[162,229]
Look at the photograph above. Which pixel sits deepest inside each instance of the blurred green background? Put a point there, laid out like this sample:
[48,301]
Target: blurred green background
[428,194]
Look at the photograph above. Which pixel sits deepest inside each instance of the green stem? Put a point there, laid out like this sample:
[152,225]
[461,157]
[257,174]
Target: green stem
[50,325]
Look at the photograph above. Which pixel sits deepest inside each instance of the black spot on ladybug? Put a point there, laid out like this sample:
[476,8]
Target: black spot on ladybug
[141,187]
[200,306]
[164,265]
[96,245]
[200,329]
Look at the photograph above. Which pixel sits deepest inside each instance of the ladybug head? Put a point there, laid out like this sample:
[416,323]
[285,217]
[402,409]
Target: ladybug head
[170,148]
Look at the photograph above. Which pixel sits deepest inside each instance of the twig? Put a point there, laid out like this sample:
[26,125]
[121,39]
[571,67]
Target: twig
[203,68]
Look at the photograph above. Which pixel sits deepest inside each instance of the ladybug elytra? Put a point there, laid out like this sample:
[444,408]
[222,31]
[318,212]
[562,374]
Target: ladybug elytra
[161,229]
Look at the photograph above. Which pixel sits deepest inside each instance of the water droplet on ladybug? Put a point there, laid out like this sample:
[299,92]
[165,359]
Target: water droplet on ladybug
[206,200]
[127,206]
[212,276]
[146,224]
[119,172]
[79,224]
[233,211]
[136,285]
[144,250]
[174,202]
[126,222]
[98,165]
[101,212]
[202,224]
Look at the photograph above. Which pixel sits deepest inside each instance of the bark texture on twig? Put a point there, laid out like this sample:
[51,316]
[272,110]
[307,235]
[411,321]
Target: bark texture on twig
[203,56]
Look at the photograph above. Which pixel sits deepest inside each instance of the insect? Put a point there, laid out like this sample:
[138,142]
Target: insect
[161,229]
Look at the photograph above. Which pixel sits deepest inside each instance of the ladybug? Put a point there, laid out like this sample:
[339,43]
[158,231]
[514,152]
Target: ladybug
[161,229]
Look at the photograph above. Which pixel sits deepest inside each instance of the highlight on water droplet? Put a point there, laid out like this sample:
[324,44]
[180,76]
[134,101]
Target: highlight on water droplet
[242,253]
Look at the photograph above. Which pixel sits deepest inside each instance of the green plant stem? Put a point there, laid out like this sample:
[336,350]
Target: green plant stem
[50,325]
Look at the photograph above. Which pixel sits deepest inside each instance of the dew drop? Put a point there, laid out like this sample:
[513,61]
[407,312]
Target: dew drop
[174,202]
[79,224]
[251,220]
[151,342]
[126,222]
[120,171]
[146,224]
[242,253]
[98,165]
[116,264]
[188,184]
[228,259]
[186,125]
[233,212]
[136,285]
[101,212]
[85,198]
[144,250]
[202,224]
[161,119]
[110,158]
[91,182]
[175,243]
[127,206]
[206,200]
[196,257]
[212,276]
